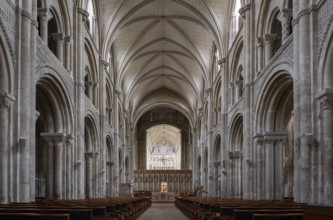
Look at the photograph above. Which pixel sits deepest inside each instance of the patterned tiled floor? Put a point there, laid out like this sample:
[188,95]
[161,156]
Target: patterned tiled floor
[163,211]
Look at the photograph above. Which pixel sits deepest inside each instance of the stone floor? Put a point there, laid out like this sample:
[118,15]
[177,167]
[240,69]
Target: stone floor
[163,211]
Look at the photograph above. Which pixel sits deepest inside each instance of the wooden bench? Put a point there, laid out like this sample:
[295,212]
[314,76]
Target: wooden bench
[33,216]
[217,208]
[289,216]
[318,212]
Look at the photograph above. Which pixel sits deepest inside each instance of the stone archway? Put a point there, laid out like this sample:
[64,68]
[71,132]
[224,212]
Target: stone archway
[276,128]
[91,153]
[235,157]
[5,115]
[53,140]
[217,165]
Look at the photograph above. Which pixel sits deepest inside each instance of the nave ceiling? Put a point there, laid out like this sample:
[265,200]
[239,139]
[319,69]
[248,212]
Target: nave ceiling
[163,51]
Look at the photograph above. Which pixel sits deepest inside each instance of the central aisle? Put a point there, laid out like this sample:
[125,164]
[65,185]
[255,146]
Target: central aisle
[163,211]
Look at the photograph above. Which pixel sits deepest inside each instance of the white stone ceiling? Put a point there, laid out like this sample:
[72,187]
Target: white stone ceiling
[163,50]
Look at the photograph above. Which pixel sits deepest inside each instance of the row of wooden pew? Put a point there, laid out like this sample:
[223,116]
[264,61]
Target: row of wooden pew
[122,208]
[239,209]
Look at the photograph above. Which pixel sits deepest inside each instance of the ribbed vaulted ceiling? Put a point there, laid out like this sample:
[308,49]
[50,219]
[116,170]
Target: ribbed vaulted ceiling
[163,50]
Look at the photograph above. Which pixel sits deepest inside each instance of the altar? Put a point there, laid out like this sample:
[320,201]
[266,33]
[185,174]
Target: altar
[163,196]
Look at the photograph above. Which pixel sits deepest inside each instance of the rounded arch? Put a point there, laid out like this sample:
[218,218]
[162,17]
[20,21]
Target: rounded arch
[235,156]
[325,64]
[274,30]
[91,142]
[275,122]
[91,78]
[52,93]
[263,14]
[54,123]
[6,114]
[278,99]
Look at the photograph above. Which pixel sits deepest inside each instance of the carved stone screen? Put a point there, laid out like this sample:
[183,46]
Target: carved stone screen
[155,180]
[163,147]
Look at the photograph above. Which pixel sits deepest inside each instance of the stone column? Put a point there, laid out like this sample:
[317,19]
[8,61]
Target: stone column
[259,167]
[5,101]
[69,164]
[217,165]
[285,17]
[88,87]
[49,192]
[67,58]
[326,101]
[248,14]
[58,167]
[274,165]
[210,142]
[260,54]
[232,95]
[224,124]
[269,45]
[269,169]
[239,89]
[78,74]
[89,172]
[44,16]
[24,66]
[303,90]
[59,40]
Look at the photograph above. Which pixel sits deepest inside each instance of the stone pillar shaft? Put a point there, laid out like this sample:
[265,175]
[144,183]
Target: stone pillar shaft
[25,100]
[305,105]
[59,40]
[4,149]
[89,174]
[50,171]
[327,120]
[269,43]
[43,15]
[58,170]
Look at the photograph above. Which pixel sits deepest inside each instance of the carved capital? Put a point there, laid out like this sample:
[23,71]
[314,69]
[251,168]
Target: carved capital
[270,38]
[5,100]
[89,155]
[84,13]
[239,83]
[259,138]
[44,14]
[58,36]
[326,99]
[244,9]
[54,138]
[68,40]
[274,137]
[260,41]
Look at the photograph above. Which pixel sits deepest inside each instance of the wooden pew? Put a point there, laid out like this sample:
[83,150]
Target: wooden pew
[247,214]
[318,212]
[289,216]
[218,208]
[74,214]
[33,216]
[100,208]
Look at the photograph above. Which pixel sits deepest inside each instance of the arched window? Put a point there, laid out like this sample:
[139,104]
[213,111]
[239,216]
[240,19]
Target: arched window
[163,147]
[91,17]
[235,22]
